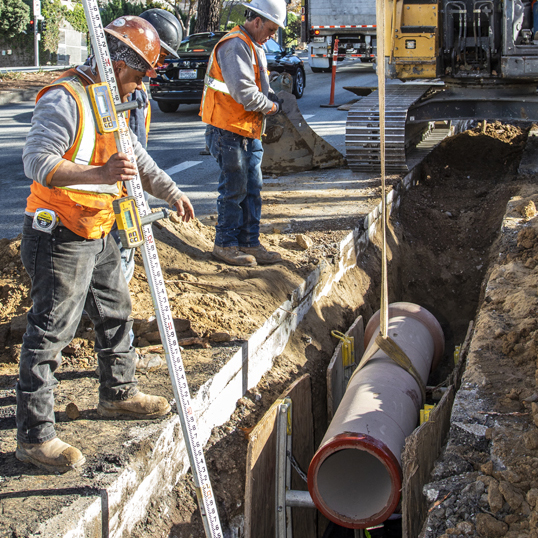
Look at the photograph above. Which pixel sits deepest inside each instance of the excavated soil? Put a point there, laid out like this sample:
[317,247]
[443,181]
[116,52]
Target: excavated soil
[17,81]
[440,249]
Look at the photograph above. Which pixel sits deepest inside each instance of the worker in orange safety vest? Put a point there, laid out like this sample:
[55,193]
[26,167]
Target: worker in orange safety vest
[236,99]
[66,248]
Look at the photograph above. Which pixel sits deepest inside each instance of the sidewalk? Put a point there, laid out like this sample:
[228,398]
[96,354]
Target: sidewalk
[16,96]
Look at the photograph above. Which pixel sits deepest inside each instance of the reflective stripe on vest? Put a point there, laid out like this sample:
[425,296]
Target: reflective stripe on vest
[218,108]
[84,209]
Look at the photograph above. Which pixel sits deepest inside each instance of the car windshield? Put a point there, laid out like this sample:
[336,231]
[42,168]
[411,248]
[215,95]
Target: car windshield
[200,43]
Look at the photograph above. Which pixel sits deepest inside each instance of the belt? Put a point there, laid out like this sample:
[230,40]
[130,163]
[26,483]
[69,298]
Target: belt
[60,232]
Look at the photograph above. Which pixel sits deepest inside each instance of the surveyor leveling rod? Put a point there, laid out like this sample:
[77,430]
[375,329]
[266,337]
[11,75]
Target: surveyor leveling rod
[194,444]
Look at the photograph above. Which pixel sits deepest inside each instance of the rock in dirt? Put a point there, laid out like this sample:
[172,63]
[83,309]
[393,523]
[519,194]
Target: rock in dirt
[303,241]
[527,209]
[487,525]
[220,337]
[72,412]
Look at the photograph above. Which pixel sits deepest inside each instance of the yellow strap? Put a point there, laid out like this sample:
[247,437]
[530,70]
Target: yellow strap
[380,68]
[396,354]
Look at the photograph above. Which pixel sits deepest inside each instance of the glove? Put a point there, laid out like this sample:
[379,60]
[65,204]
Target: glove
[277,105]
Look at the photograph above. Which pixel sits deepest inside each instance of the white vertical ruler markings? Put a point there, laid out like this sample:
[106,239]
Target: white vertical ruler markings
[204,491]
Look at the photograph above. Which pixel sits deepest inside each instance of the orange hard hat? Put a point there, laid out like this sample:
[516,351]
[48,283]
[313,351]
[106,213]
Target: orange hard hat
[139,35]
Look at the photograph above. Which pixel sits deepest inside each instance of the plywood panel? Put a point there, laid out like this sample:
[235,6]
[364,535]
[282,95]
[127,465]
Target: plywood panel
[261,465]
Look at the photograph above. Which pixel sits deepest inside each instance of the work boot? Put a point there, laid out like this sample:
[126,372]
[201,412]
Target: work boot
[54,455]
[233,256]
[262,255]
[139,406]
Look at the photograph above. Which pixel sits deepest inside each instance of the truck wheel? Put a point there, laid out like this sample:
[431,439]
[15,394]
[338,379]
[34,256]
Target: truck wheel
[168,106]
[298,83]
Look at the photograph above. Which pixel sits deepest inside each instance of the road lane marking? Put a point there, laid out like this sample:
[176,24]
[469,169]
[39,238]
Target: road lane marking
[307,116]
[182,166]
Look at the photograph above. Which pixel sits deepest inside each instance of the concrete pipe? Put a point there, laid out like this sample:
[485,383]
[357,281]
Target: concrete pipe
[355,476]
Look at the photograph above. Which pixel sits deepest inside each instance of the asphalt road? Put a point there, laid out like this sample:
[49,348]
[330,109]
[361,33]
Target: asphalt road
[175,142]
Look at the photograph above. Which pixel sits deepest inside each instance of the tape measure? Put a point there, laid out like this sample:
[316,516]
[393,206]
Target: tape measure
[165,321]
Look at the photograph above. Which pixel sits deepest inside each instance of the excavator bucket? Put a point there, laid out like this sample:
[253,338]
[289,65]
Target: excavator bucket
[291,146]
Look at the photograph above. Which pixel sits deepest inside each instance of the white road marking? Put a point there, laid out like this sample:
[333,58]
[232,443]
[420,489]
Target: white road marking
[182,166]
[307,116]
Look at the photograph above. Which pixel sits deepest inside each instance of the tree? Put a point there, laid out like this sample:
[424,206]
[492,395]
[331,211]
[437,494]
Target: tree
[15,16]
[208,16]
[293,29]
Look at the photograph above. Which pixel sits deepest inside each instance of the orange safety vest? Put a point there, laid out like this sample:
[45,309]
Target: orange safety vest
[218,107]
[84,209]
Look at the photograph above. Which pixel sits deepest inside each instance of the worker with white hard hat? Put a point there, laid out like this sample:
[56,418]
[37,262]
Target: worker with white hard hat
[236,99]
[67,250]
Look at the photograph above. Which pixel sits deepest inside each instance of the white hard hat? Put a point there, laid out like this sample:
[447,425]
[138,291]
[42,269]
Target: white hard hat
[274,10]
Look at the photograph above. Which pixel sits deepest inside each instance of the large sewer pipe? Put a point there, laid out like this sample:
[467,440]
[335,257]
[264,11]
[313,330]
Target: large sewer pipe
[355,477]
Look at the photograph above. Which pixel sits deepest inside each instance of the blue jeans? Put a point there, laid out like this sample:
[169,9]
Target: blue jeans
[239,204]
[69,275]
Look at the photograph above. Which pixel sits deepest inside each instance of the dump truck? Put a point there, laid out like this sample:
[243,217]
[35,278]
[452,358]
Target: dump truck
[460,60]
[353,23]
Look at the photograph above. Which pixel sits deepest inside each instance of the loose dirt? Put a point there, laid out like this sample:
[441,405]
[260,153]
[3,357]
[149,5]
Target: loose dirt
[19,80]
[440,249]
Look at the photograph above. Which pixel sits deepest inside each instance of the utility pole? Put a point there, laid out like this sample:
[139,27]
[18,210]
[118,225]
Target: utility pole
[37,35]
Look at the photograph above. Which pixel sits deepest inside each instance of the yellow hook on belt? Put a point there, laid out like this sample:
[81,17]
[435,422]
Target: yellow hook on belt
[348,347]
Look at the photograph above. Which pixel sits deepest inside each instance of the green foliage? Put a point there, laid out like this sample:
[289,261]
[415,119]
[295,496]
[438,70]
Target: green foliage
[233,15]
[76,18]
[117,8]
[293,29]
[53,11]
[15,16]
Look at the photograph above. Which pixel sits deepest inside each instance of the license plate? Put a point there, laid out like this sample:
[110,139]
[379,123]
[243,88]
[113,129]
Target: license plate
[187,73]
[318,39]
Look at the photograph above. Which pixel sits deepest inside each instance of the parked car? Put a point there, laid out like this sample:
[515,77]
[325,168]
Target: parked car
[181,80]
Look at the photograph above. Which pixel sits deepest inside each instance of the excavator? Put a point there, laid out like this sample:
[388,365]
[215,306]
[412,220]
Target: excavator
[449,60]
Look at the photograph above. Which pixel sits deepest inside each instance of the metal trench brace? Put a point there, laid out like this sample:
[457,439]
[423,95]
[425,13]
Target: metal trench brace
[286,498]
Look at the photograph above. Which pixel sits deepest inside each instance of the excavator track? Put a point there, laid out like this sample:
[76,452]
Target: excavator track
[362,129]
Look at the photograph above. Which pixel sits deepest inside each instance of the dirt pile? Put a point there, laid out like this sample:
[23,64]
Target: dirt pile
[18,80]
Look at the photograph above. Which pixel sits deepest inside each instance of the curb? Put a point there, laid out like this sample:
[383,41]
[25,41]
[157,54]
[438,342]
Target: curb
[8,97]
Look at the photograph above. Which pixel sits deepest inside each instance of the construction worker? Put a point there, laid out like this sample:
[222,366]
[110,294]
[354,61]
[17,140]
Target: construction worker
[170,34]
[73,263]
[236,99]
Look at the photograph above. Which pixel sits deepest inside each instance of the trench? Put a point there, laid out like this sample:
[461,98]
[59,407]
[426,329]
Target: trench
[441,241]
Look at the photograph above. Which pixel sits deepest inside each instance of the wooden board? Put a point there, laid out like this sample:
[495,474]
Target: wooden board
[336,384]
[421,450]
[423,447]
[261,465]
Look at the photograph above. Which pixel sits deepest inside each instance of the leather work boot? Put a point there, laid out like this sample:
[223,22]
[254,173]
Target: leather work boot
[139,406]
[54,455]
[262,255]
[233,256]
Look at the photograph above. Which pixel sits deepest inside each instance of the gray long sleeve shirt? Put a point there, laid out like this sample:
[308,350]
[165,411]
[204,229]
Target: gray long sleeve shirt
[53,132]
[235,60]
